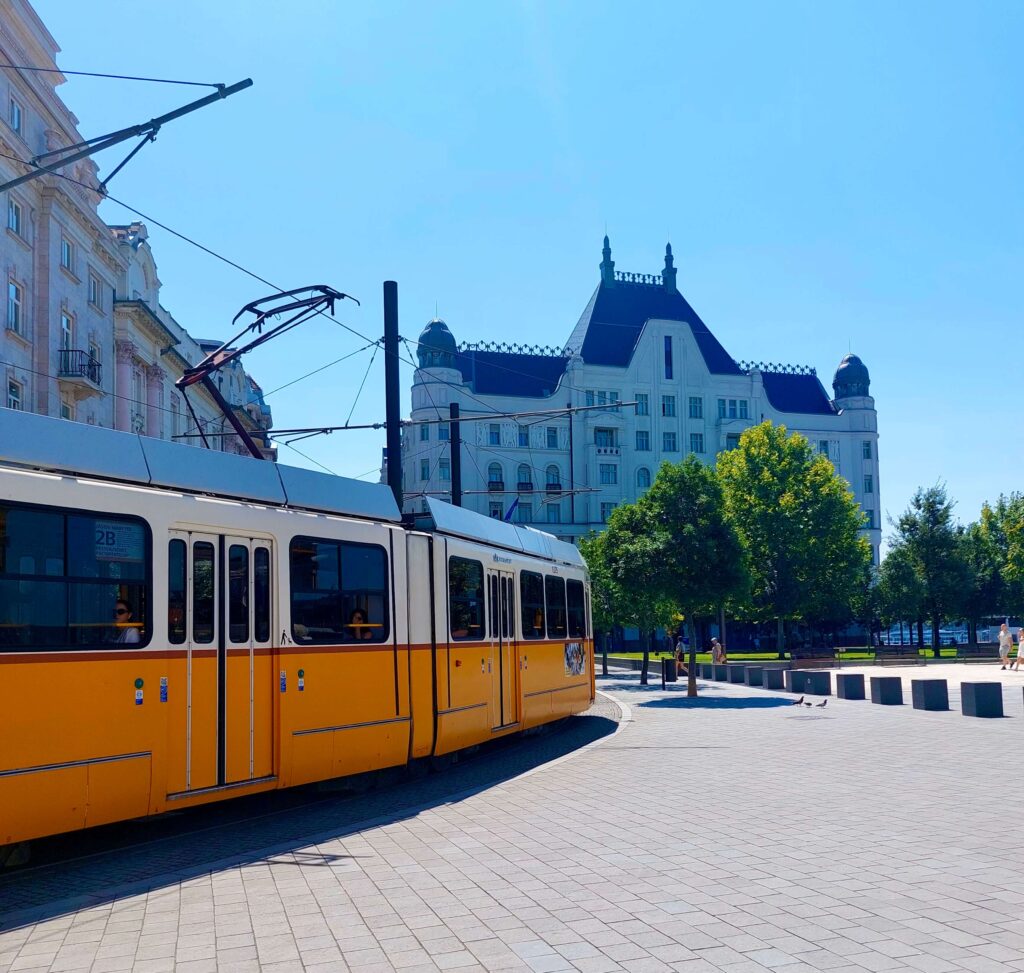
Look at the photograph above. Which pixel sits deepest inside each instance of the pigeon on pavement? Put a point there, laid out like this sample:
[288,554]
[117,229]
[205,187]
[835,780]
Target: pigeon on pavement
[822,704]
[798,702]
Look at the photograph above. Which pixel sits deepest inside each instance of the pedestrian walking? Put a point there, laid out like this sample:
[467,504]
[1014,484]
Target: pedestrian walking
[1020,649]
[717,652]
[1005,644]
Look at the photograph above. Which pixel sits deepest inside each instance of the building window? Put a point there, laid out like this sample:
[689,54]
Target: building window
[732,408]
[744,414]
[606,511]
[67,410]
[525,477]
[866,448]
[524,513]
[732,440]
[590,396]
[823,447]
[424,469]
[67,331]
[668,356]
[602,398]
[609,473]
[643,440]
[604,437]
[643,407]
[552,477]
[493,434]
[696,407]
[424,433]
[95,292]
[668,442]
[552,439]
[696,442]
[95,354]
[444,432]
[16,116]
[15,222]
[869,519]
[668,405]
[643,478]
[67,254]
[494,474]
[721,408]
[496,510]
[524,437]
[444,470]
[869,483]
[15,306]
[15,392]
[613,398]
[554,513]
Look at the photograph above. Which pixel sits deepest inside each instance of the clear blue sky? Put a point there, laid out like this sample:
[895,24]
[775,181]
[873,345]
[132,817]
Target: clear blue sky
[833,176]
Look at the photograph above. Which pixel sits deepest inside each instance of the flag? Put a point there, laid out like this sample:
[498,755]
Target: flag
[511,510]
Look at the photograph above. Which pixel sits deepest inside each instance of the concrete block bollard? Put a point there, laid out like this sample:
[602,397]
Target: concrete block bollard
[773,678]
[794,680]
[929,694]
[737,673]
[754,676]
[887,690]
[850,685]
[707,670]
[818,682]
[984,699]
[721,673]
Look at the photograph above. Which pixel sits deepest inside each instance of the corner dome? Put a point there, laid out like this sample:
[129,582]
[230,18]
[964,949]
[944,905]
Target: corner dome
[851,378]
[437,348]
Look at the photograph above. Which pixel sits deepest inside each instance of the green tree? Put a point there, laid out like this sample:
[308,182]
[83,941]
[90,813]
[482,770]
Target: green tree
[799,524]
[1008,529]
[982,549]
[605,595]
[927,531]
[900,592]
[700,560]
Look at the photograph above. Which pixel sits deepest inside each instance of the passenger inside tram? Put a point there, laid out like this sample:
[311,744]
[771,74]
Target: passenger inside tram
[127,630]
[359,630]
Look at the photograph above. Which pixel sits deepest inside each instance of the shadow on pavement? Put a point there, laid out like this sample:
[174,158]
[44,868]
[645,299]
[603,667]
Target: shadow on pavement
[172,849]
[717,702]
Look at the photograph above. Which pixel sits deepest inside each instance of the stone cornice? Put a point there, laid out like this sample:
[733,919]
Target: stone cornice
[142,314]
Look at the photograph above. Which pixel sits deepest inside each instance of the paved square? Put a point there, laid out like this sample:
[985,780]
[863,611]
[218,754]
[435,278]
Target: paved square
[738,835]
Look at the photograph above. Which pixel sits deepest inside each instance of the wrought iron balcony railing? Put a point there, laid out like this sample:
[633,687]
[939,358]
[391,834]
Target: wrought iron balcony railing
[75,363]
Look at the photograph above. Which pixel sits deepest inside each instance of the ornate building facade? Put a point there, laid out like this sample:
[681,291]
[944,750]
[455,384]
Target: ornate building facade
[637,341]
[84,334]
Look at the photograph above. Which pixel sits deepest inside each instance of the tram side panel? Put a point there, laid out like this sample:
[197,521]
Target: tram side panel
[420,670]
[344,665]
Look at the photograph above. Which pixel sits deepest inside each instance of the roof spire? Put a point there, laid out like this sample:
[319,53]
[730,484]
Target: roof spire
[607,264]
[668,275]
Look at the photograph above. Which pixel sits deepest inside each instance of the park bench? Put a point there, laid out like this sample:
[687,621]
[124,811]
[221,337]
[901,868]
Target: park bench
[813,658]
[900,655]
[978,652]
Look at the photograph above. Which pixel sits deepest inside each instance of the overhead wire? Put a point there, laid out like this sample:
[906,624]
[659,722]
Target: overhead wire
[116,77]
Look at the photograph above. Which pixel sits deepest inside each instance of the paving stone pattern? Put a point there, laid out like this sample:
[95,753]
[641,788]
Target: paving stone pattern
[740,834]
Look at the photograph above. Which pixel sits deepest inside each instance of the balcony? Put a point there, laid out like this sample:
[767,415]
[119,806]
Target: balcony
[495,486]
[524,486]
[553,487]
[608,450]
[79,370]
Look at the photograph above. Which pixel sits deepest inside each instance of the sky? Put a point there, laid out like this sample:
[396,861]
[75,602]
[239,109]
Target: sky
[833,177]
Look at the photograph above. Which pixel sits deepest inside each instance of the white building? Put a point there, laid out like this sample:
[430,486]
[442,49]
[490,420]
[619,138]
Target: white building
[638,340]
[84,336]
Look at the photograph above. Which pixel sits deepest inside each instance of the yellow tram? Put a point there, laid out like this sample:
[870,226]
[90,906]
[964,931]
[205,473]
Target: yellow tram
[180,626]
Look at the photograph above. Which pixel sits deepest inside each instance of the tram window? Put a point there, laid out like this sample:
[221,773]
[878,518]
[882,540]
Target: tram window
[554,589]
[506,607]
[238,593]
[466,598]
[72,580]
[492,605]
[531,597]
[176,586]
[339,591]
[577,609]
[203,592]
[261,594]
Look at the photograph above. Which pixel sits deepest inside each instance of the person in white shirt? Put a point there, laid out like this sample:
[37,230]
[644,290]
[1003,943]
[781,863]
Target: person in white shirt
[1005,644]
[1020,649]
[127,633]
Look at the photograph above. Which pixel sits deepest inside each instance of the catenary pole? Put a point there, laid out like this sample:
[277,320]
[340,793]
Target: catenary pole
[455,442]
[392,400]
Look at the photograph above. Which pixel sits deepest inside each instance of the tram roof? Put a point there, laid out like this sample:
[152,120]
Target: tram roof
[461,522]
[57,445]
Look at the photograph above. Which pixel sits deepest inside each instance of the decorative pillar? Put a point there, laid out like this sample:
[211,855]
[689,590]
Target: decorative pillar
[155,401]
[124,352]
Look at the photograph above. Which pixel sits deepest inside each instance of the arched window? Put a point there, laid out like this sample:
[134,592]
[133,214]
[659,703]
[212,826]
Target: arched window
[554,478]
[643,478]
[525,475]
[494,473]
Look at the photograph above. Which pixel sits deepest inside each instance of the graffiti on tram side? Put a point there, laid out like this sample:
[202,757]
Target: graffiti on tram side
[575,658]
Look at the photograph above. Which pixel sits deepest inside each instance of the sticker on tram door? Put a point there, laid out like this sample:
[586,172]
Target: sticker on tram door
[575,658]
[284,681]
[138,692]
[302,680]
[163,689]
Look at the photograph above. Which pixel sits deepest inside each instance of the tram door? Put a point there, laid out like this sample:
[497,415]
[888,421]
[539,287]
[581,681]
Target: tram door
[220,610]
[502,630]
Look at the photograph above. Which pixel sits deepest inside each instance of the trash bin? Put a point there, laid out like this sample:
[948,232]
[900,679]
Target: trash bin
[668,670]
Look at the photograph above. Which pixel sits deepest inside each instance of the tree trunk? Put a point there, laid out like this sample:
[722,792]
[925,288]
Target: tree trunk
[721,624]
[780,637]
[901,635]
[920,633]
[936,640]
[647,658]
[604,653]
[691,661]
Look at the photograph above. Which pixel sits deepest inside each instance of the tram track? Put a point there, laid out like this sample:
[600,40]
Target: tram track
[185,844]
